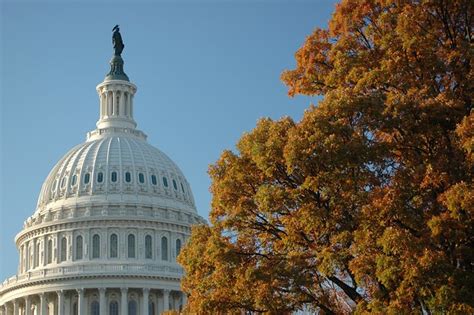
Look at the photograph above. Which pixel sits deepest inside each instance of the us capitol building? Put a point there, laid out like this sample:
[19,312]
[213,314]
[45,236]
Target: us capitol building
[111,217]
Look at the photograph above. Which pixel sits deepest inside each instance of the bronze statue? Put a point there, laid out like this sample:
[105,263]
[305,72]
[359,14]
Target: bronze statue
[117,41]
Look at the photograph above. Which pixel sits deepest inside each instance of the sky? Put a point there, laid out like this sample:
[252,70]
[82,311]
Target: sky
[206,72]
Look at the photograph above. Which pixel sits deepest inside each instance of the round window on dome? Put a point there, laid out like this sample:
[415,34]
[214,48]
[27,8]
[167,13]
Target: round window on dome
[174,185]
[153,180]
[100,177]
[128,177]
[141,178]
[87,178]
[165,182]
[113,177]
[73,180]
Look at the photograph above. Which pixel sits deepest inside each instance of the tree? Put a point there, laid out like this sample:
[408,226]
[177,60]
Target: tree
[367,203]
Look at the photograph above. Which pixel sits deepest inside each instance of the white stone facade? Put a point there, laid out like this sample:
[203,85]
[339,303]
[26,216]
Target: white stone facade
[111,218]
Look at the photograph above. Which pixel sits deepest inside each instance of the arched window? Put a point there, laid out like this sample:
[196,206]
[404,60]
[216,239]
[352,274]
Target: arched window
[178,247]
[131,246]
[113,245]
[148,247]
[151,308]
[74,180]
[63,249]
[128,177]
[165,182]
[100,177]
[50,251]
[132,308]
[182,187]
[95,308]
[113,177]
[63,182]
[164,248]
[141,178]
[37,251]
[87,178]
[96,246]
[113,308]
[79,246]
[153,180]
[175,185]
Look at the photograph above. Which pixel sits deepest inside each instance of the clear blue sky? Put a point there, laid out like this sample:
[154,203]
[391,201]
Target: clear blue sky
[205,71]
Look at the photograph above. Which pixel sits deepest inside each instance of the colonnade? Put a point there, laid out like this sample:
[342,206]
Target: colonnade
[97,301]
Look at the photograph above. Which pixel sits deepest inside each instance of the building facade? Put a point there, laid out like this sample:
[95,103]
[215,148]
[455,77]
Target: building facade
[111,218]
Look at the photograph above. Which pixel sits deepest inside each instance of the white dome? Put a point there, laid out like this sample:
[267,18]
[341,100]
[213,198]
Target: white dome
[116,168]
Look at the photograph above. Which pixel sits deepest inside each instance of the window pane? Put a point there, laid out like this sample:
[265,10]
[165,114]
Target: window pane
[96,246]
[74,179]
[165,182]
[87,178]
[178,247]
[63,249]
[164,248]
[131,246]
[114,177]
[174,185]
[50,251]
[113,245]
[100,177]
[128,177]
[132,308]
[113,308]
[79,247]
[153,179]
[141,178]
[95,308]
[148,247]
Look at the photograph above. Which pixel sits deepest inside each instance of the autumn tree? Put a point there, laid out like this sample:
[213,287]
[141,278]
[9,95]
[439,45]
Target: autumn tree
[367,204]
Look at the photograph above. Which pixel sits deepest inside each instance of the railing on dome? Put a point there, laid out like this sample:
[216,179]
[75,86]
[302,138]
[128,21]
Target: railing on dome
[109,269]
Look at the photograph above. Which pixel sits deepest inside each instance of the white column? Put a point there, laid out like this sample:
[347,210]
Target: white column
[16,307]
[27,305]
[114,103]
[42,304]
[102,301]
[146,293]
[80,302]
[131,106]
[7,309]
[60,302]
[166,300]
[124,301]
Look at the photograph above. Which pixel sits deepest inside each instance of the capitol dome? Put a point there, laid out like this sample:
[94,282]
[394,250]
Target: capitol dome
[111,218]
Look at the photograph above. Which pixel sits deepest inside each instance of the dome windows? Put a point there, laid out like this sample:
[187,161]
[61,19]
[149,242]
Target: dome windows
[182,187]
[74,180]
[79,247]
[113,246]
[153,180]
[148,247]
[164,248]
[63,182]
[175,185]
[113,177]
[141,178]
[128,177]
[87,178]
[100,177]
[131,246]
[96,246]
[165,181]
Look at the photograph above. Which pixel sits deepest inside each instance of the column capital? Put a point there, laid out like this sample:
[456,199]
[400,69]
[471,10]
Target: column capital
[146,290]
[60,292]
[123,290]
[102,290]
[80,291]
